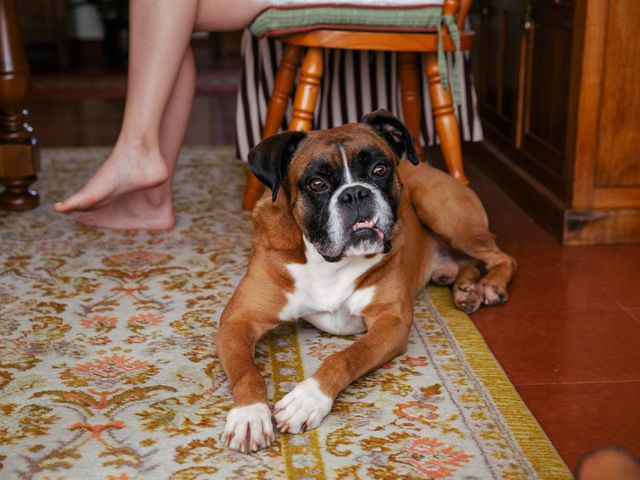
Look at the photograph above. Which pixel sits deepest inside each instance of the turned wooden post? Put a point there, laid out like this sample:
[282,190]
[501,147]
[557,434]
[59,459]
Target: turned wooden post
[451,7]
[18,154]
[304,103]
[282,88]
[408,67]
[465,5]
[445,120]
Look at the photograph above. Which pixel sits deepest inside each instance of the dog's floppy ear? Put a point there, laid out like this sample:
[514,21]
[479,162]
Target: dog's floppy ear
[270,159]
[389,127]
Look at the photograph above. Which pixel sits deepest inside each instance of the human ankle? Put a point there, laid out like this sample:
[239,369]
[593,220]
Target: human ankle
[141,142]
[159,197]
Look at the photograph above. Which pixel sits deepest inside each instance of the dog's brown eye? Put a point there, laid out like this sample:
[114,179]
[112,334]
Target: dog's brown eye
[380,170]
[317,185]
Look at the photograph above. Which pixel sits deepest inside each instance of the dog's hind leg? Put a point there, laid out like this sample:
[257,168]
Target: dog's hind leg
[480,244]
[455,214]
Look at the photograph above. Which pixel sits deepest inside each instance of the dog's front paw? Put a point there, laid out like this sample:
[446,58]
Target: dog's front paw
[248,428]
[303,408]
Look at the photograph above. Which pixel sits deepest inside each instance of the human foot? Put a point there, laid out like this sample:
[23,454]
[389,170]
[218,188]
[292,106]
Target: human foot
[129,168]
[143,210]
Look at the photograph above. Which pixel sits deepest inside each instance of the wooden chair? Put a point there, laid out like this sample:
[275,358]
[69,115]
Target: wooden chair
[408,44]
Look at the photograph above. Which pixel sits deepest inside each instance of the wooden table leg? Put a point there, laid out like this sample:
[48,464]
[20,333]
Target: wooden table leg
[18,154]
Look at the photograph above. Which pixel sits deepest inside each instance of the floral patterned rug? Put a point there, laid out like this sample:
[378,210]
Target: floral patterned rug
[108,368]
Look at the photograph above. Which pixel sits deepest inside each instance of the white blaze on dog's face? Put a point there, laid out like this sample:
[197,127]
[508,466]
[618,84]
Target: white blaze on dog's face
[341,184]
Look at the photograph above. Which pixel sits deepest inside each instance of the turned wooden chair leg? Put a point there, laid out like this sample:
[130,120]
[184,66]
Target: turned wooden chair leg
[282,88]
[445,120]
[304,103]
[408,66]
[18,156]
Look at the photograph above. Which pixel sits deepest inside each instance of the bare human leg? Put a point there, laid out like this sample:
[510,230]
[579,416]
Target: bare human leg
[138,174]
[159,36]
[152,209]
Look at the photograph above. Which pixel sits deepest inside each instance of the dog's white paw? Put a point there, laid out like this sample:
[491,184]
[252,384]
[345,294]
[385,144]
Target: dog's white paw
[248,428]
[303,408]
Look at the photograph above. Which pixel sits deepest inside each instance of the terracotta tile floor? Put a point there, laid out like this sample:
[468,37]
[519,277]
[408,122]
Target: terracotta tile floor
[569,337]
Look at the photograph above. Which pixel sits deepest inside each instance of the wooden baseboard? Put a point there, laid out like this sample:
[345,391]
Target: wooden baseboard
[568,226]
[594,227]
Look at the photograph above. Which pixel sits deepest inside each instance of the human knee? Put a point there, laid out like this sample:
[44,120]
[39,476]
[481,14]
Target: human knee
[221,15]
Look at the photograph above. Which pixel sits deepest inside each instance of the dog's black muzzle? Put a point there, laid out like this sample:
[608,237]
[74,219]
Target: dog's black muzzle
[357,204]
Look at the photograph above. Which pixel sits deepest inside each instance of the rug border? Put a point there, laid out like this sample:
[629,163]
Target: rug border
[533,441]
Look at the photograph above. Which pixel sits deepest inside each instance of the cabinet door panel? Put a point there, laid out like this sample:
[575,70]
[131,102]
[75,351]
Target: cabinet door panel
[546,100]
[497,23]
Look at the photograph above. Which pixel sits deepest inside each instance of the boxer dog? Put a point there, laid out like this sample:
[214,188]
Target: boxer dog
[347,238]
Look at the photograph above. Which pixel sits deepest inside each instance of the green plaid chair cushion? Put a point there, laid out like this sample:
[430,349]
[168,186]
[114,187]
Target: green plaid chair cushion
[294,16]
[286,20]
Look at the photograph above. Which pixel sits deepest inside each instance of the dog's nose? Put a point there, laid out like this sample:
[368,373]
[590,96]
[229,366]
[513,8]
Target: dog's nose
[354,195]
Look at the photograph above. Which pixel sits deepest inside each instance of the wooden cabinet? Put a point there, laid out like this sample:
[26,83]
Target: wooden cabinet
[546,46]
[559,97]
[496,53]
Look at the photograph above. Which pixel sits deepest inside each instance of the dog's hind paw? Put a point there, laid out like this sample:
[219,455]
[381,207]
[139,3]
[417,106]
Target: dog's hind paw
[493,294]
[248,428]
[467,297]
[303,408]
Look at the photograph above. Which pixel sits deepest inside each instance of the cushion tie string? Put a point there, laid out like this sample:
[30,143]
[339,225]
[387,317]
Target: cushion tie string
[449,22]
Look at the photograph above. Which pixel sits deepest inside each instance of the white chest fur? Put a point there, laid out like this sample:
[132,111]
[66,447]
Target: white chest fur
[324,293]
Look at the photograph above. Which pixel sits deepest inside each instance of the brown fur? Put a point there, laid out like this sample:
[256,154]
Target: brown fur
[456,242]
